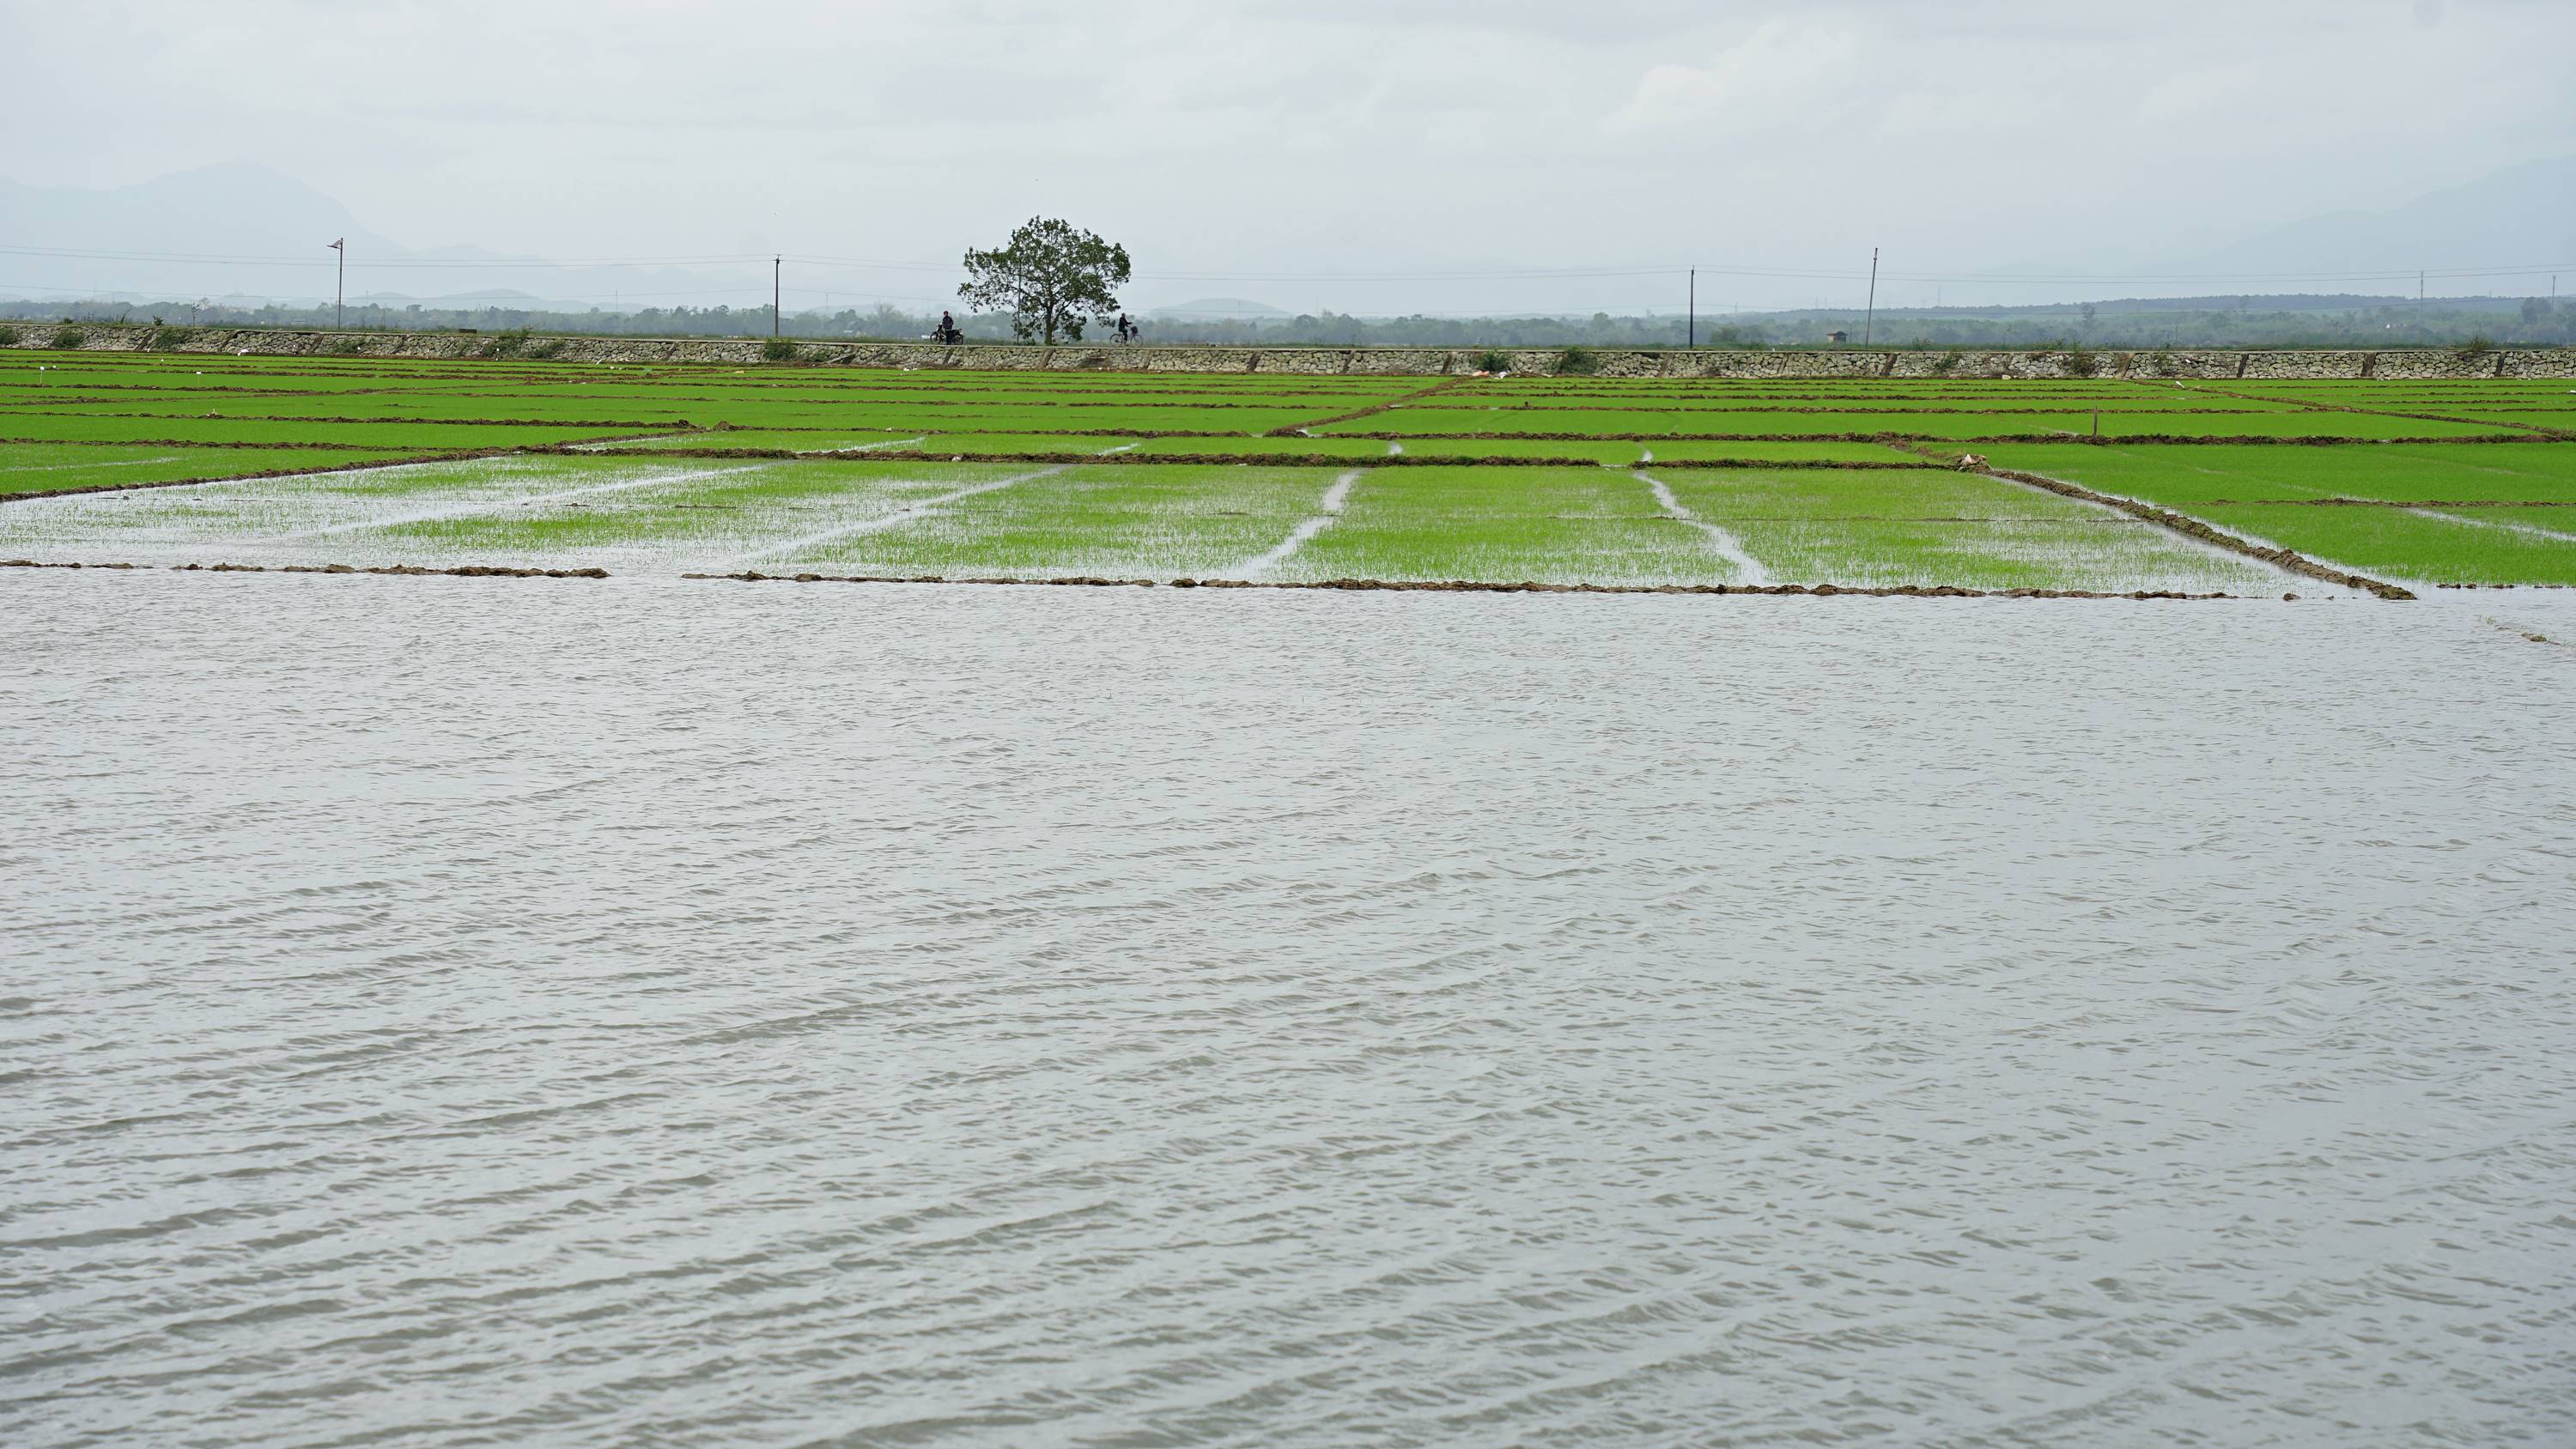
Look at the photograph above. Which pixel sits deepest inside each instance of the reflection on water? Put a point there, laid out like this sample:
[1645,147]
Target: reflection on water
[442,1012]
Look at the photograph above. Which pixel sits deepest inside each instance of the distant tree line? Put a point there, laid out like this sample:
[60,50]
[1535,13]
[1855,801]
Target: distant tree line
[2252,322]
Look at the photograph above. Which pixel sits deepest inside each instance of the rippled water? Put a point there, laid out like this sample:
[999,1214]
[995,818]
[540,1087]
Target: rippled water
[450,1012]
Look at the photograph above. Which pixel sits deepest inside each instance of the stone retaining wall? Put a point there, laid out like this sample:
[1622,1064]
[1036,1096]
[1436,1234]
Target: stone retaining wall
[2413,363]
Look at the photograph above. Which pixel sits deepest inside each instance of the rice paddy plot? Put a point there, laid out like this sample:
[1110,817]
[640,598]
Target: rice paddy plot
[1323,450]
[799,440]
[1687,450]
[2369,426]
[64,467]
[826,442]
[1058,444]
[1930,527]
[2375,510]
[1600,422]
[2556,420]
[1537,525]
[711,516]
[361,516]
[2440,546]
[1023,419]
[2188,475]
[1555,479]
[413,437]
[370,407]
[1101,521]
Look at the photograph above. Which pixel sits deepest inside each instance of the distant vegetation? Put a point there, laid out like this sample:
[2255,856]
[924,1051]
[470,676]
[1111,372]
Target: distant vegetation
[1048,279]
[2133,326]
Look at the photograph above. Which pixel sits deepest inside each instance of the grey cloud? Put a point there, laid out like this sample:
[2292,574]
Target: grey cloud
[1306,136]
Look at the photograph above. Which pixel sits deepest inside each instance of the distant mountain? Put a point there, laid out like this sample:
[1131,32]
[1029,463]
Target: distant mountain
[1215,309]
[230,211]
[252,232]
[2522,215]
[247,231]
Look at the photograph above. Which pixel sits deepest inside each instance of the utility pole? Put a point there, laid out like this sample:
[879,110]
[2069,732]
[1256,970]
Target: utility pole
[340,288]
[775,263]
[1870,318]
[1691,337]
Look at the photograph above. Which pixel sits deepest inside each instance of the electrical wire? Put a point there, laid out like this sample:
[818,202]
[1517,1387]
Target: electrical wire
[362,263]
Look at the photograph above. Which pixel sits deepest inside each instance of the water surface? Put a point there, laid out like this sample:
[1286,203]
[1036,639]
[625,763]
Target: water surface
[443,1012]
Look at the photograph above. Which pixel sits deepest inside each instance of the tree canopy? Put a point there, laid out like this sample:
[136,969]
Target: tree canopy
[1050,277]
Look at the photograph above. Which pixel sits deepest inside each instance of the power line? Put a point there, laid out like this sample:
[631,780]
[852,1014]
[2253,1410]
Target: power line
[434,263]
[2529,269]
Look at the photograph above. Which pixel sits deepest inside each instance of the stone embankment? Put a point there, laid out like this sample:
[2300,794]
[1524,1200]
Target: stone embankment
[1338,361]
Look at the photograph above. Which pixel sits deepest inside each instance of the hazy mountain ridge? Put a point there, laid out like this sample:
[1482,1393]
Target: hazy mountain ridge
[246,210]
[148,239]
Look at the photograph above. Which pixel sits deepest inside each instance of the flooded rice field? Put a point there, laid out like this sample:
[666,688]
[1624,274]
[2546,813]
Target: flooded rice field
[1015,519]
[459,1011]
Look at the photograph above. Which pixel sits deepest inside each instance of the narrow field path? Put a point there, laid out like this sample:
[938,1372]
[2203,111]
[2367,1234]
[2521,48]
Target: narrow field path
[2327,405]
[2528,530]
[1727,545]
[1334,498]
[496,505]
[14,470]
[870,447]
[1371,410]
[908,513]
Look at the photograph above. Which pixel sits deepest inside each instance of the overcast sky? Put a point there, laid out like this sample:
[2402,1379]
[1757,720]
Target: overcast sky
[1269,150]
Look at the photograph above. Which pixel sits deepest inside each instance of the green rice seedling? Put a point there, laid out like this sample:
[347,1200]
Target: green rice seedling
[1510,525]
[2488,546]
[314,518]
[1106,521]
[719,515]
[2561,420]
[1037,443]
[1447,420]
[1766,450]
[1935,527]
[2186,476]
[1321,449]
[388,437]
[1919,494]
[801,440]
[68,467]
[2365,426]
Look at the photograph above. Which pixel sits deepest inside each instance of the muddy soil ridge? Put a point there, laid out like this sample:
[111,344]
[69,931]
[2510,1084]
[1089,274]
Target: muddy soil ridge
[1476,586]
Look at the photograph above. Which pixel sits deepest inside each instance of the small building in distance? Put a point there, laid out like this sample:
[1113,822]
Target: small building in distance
[1838,337]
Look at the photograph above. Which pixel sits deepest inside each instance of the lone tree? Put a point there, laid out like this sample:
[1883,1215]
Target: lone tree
[1050,277]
